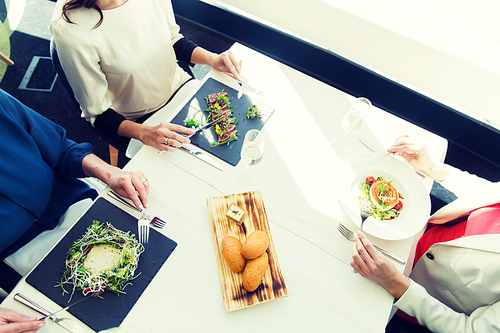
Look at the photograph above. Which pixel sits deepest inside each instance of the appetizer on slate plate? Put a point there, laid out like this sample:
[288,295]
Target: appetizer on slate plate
[103,259]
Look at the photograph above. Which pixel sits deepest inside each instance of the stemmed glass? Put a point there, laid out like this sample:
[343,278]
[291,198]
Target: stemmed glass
[251,154]
[352,122]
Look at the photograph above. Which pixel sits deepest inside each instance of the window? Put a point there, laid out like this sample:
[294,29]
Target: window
[447,50]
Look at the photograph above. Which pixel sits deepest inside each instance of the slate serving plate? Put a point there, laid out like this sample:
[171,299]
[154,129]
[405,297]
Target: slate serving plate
[196,106]
[100,314]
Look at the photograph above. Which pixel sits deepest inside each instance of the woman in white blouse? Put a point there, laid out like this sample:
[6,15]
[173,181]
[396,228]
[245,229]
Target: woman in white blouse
[120,58]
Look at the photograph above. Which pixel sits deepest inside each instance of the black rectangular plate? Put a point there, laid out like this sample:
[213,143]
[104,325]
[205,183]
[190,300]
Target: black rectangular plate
[100,314]
[196,107]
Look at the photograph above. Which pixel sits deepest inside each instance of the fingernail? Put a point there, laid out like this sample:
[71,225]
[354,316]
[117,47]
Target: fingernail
[32,318]
[42,324]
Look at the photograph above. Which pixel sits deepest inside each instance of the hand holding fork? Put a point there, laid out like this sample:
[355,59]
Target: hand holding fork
[144,222]
[143,228]
[349,235]
[154,220]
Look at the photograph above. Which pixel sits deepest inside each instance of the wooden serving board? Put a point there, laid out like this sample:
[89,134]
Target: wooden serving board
[273,284]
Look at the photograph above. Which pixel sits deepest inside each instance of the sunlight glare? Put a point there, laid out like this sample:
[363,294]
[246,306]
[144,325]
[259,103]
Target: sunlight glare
[310,157]
[15,13]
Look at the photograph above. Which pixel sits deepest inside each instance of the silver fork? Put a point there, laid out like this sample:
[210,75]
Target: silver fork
[349,235]
[364,216]
[154,220]
[143,228]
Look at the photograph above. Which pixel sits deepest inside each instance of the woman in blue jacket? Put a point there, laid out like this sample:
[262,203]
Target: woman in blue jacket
[39,176]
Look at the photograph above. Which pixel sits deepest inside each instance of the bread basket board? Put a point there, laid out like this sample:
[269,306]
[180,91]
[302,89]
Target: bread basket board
[273,284]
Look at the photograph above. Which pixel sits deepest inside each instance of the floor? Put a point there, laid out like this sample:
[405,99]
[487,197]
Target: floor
[33,81]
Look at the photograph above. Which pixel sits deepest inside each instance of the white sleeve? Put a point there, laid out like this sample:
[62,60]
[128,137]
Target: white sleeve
[417,303]
[81,65]
[175,34]
[461,182]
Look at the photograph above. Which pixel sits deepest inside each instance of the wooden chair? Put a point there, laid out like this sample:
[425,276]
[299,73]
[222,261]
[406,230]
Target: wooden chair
[6,59]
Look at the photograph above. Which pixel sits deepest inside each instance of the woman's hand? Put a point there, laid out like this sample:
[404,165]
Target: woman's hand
[415,153]
[13,322]
[165,136]
[371,264]
[227,63]
[130,184]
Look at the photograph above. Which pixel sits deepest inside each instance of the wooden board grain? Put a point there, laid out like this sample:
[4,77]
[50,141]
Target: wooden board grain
[273,284]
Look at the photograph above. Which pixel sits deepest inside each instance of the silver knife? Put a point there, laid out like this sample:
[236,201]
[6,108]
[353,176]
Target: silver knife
[375,149]
[203,127]
[372,147]
[345,209]
[202,157]
[66,323]
[63,309]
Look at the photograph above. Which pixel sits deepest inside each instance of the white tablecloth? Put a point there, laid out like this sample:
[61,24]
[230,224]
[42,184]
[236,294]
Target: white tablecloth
[299,182]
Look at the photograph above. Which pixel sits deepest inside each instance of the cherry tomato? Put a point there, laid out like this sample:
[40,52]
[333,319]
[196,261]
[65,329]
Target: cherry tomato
[370,180]
[399,205]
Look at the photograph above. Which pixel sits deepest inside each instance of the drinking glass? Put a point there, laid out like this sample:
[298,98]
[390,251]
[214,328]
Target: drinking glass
[251,154]
[352,122]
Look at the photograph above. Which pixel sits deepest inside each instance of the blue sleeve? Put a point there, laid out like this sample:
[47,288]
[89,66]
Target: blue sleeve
[42,136]
[38,170]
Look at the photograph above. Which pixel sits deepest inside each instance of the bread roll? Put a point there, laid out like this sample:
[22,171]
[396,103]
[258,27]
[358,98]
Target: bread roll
[256,244]
[254,271]
[231,250]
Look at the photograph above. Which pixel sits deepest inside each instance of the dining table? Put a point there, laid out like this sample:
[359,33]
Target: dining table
[299,185]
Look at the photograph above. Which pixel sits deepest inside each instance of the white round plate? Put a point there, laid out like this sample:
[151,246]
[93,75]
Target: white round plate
[416,202]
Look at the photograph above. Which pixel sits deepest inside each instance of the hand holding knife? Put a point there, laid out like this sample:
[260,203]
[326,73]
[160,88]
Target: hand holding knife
[67,323]
[198,154]
[51,315]
[375,149]
[203,127]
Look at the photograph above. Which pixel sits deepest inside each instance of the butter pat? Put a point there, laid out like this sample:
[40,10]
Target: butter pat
[235,213]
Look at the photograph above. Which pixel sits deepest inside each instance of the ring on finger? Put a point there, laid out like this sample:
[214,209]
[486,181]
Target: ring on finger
[166,141]
[144,180]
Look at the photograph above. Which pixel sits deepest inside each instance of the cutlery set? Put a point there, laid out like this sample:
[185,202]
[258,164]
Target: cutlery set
[202,156]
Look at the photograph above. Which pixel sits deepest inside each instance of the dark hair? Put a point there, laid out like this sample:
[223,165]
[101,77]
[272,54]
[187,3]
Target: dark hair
[75,4]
